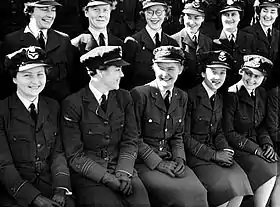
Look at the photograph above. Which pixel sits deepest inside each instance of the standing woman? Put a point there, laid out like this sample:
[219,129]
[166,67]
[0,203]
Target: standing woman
[247,133]
[193,42]
[138,49]
[34,170]
[209,154]
[266,36]
[160,109]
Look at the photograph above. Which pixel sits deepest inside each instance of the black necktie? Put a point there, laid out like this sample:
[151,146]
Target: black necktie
[166,99]
[157,40]
[269,35]
[103,103]
[212,100]
[232,40]
[41,40]
[33,112]
[252,96]
[101,39]
[195,41]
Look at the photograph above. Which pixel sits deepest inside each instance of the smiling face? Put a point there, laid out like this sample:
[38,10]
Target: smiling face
[30,82]
[44,16]
[154,16]
[214,78]
[98,16]
[251,78]
[230,20]
[167,73]
[193,22]
[111,77]
[268,16]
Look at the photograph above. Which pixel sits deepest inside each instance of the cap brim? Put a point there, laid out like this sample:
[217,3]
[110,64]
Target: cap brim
[193,11]
[153,4]
[254,71]
[166,61]
[217,65]
[230,9]
[43,4]
[32,65]
[270,4]
[118,63]
[96,3]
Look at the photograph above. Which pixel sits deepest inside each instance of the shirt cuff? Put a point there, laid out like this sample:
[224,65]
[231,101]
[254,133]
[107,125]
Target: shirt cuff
[68,192]
[124,172]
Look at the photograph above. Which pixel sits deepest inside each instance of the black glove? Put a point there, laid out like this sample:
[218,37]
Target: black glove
[59,196]
[111,181]
[269,153]
[179,171]
[167,167]
[41,201]
[126,184]
[224,158]
[260,153]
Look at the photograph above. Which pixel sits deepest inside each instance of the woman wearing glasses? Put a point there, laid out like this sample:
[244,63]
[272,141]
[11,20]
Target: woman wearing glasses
[138,49]
[247,133]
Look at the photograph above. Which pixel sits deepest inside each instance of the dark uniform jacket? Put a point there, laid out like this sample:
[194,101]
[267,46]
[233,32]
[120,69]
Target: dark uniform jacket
[59,53]
[244,119]
[96,142]
[160,130]
[29,152]
[273,114]
[244,45]
[80,75]
[191,76]
[203,132]
[138,51]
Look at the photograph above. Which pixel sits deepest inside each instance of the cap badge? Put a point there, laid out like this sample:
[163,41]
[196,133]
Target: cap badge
[256,62]
[32,54]
[196,4]
[222,56]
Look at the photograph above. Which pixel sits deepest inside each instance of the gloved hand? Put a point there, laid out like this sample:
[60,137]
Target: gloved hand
[224,158]
[260,153]
[41,201]
[179,171]
[111,181]
[269,153]
[59,196]
[126,184]
[167,167]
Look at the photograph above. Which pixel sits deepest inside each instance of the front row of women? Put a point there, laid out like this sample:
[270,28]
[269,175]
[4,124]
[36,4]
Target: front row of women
[155,145]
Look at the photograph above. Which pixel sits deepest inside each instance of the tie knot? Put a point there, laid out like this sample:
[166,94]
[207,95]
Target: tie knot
[101,39]
[166,99]
[103,103]
[32,107]
[103,97]
[268,31]
[157,40]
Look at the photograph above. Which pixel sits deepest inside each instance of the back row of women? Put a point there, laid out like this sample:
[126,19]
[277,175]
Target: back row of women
[156,144]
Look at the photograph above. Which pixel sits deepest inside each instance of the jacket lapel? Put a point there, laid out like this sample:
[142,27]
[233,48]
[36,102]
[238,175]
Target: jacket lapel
[260,33]
[43,112]
[112,103]
[156,96]
[204,99]
[147,40]
[28,39]
[187,40]
[53,41]
[174,103]
[245,97]
[19,111]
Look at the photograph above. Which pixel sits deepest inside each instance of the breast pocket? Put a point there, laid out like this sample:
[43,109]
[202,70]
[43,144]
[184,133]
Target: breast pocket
[151,126]
[200,125]
[22,149]
[177,122]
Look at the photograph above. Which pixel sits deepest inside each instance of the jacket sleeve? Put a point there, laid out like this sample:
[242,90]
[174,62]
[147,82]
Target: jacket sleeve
[176,142]
[145,152]
[128,144]
[235,139]
[193,146]
[20,189]
[272,118]
[59,167]
[73,144]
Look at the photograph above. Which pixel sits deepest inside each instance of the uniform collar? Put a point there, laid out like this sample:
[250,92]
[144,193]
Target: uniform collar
[265,29]
[96,34]
[34,30]
[191,35]
[240,84]
[27,102]
[209,91]
[152,33]
[228,35]
[97,94]
[163,91]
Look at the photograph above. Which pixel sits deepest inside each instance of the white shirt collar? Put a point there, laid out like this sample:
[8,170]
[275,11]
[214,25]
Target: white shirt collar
[209,91]
[240,83]
[191,35]
[34,30]
[152,33]
[97,94]
[27,102]
[265,29]
[228,34]
[96,33]
[163,91]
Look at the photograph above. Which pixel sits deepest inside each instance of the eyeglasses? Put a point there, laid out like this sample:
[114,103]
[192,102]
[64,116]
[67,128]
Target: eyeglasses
[151,12]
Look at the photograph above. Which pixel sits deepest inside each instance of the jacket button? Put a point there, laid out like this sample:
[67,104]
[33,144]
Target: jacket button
[165,130]
[14,139]
[107,136]
[167,117]
[37,158]
[38,145]
[106,122]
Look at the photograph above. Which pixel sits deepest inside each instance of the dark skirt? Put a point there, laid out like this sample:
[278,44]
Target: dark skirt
[258,170]
[99,195]
[168,191]
[223,184]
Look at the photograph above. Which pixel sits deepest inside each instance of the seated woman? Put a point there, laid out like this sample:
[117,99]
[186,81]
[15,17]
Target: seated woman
[160,109]
[99,133]
[247,133]
[208,152]
[34,170]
